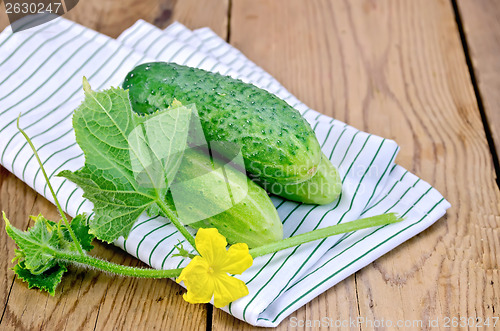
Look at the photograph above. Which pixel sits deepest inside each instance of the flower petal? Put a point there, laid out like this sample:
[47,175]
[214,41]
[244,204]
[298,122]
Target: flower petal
[211,245]
[228,289]
[199,285]
[237,260]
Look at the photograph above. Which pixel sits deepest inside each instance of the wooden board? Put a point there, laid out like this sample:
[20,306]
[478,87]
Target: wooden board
[481,23]
[89,300]
[396,69]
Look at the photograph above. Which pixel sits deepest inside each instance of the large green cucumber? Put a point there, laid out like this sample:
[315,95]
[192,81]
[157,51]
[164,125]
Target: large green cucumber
[207,193]
[277,143]
[323,188]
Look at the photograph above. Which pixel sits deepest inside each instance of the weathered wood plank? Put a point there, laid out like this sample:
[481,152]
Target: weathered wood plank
[89,299]
[481,24]
[4,20]
[17,200]
[396,69]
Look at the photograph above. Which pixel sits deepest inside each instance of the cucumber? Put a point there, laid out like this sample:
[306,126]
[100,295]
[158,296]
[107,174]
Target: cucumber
[207,193]
[277,143]
[323,188]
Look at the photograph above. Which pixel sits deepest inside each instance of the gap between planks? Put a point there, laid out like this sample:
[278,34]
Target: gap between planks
[477,92]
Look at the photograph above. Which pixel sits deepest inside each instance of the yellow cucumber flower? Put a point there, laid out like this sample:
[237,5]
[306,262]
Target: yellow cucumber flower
[207,274]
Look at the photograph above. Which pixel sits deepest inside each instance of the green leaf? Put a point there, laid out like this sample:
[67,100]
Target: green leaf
[47,281]
[37,245]
[129,160]
[80,226]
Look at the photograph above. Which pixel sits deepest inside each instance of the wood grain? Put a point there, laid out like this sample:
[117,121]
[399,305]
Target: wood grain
[393,68]
[86,299]
[4,20]
[396,69]
[481,24]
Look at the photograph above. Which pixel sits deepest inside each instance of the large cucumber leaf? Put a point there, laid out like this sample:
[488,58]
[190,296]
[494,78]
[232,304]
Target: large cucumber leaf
[129,159]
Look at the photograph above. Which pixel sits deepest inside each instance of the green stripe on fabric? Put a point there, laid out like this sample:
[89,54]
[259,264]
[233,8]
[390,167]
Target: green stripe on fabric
[361,180]
[131,33]
[139,40]
[202,61]
[344,129]
[52,54]
[345,213]
[255,276]
[355,260]
[147,49]
[101,85]
[172,56]
[47,160]
[339,199]
[80,205]
[292,211]
[33,138]
[388,193]
[327,134]
[135,226]
[12,34]
[181,261]
[109,77]
[24,42]
[194,52]
[31,94]
[268,281]
[243,58]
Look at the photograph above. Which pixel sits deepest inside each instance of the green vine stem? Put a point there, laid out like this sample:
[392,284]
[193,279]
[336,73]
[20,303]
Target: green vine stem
[173,218]
[116,268]
[63,215]
[83,259]
[325,232]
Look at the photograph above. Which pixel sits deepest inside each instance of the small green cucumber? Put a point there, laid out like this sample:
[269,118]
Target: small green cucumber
[277,143]
[322,189]
[207,193]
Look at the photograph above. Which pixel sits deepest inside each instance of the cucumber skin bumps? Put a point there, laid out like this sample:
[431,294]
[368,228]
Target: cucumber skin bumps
[279,147]
[277,143]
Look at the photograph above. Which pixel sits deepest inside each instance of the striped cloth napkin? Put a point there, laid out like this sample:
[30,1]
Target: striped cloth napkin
[41,73]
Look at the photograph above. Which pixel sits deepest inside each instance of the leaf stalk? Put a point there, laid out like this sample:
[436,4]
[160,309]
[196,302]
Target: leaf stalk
[63,215]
